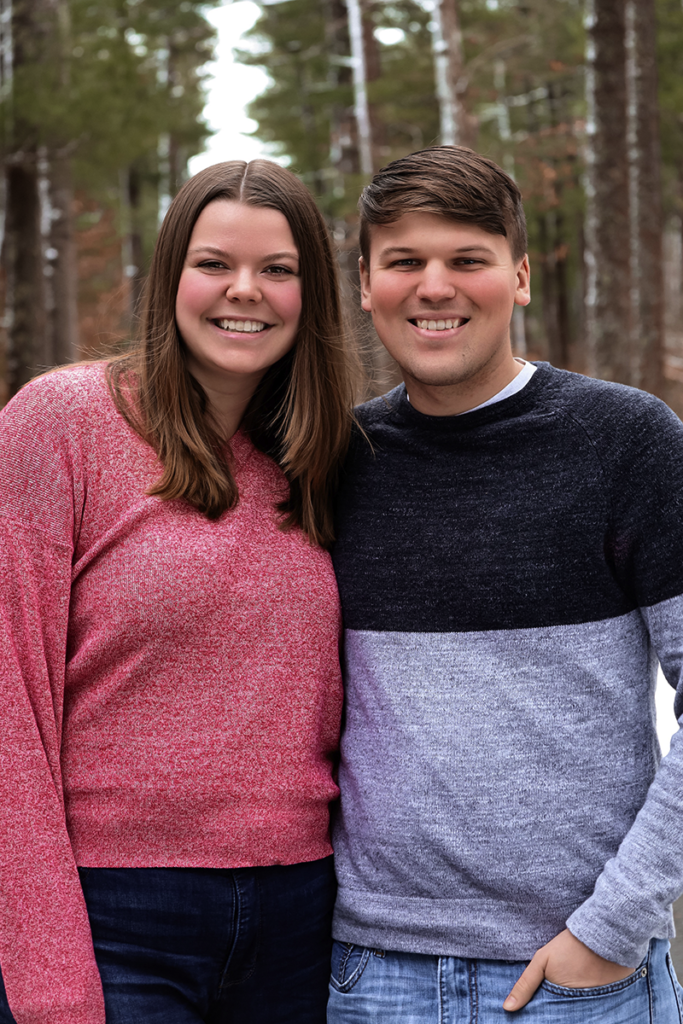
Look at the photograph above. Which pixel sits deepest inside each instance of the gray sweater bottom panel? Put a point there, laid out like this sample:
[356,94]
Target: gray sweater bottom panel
[477,776]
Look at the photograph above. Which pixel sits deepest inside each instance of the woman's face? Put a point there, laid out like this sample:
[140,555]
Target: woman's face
[239,297]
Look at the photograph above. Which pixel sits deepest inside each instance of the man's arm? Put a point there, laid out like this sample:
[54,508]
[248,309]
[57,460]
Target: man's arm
[630,903]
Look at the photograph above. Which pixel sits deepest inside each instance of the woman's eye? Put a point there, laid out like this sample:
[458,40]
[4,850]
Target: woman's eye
[211,265]
[279,271]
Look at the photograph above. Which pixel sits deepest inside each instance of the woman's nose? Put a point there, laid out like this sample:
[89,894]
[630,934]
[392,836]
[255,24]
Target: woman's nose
[243,286]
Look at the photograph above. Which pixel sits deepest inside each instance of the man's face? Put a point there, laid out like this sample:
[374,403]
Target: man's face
[441,294]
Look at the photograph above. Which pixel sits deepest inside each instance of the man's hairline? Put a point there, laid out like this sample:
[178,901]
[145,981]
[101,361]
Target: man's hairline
[369,225]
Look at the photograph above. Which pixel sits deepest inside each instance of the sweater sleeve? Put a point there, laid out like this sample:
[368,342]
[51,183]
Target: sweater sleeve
[632,897]
[46,951]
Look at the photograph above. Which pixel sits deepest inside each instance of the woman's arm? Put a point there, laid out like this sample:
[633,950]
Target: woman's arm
[46,953]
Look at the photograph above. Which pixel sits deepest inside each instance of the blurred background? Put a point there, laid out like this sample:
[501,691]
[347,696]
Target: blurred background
[106,107]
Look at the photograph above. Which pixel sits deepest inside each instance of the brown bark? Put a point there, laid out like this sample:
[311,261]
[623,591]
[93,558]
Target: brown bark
[607,220]
[646,195]
[63,319]
[554,288]
[343,148]
[137,273]
[35,38]
[176,165]
[28,348]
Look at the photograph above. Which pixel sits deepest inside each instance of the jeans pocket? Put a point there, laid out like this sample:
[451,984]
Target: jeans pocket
[348,963]
[600,990]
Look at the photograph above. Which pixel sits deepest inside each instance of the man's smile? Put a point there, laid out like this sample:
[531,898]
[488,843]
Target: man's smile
[443,324]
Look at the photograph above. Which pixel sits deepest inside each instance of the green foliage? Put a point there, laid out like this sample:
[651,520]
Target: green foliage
[295,42]
[523,92]
[106,81]
[134,75]
[116,85]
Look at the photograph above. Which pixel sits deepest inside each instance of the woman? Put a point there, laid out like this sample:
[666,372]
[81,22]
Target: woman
[170,625]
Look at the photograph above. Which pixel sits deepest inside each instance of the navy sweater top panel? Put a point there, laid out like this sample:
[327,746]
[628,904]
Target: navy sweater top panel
[550,507]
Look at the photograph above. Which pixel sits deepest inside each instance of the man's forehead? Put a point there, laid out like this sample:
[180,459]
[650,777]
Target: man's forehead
[419,230]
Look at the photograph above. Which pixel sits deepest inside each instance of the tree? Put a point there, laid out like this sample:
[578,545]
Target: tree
[98,94]
[608,238]
[360,89]
[35,73]
[647,279]
[449,71]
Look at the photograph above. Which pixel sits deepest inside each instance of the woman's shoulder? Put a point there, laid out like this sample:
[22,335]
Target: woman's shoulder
[74,382]
[69,394]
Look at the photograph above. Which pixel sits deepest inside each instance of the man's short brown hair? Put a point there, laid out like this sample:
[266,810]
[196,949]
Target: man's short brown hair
[450,181]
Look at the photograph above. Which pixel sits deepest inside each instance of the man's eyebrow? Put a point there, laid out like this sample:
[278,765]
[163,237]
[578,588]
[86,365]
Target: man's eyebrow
[394,250]
[285,254]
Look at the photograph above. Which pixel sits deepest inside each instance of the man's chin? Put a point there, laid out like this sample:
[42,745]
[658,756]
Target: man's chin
[446,378]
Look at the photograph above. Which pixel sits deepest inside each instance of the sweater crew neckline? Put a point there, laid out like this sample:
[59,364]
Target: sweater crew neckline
[472,418]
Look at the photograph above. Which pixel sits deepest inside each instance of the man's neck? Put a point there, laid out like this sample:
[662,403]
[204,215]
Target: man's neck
[454,399]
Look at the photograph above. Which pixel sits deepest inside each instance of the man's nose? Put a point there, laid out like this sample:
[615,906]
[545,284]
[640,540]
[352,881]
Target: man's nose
[436,283]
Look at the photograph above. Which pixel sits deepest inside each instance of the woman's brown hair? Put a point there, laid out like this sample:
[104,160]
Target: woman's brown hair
[301,411]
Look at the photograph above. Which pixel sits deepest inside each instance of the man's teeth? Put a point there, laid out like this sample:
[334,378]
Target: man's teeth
[248,326]
[441,325]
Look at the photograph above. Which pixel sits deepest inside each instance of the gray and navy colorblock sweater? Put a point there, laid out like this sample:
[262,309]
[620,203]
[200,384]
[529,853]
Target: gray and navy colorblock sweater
[509,579]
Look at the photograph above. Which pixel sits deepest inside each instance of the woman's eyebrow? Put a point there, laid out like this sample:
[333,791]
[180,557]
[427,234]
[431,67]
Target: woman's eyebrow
[286,254]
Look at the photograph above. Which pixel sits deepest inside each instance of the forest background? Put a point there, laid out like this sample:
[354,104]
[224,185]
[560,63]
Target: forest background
[101,107]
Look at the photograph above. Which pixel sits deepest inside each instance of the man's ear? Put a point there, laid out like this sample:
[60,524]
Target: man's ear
[523,290]
[364,286]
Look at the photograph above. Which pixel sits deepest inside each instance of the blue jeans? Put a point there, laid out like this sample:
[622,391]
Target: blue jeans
[183,945]
[376,987]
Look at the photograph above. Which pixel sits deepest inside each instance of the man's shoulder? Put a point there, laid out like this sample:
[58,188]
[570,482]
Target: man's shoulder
[606,410]
[378,410]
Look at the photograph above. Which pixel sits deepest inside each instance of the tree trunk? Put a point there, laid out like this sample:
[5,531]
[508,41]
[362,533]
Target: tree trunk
[343,149]
[135,269]
[35,34]
[360,92]
[373,70]
[448,71]
[607,216]
[28,349]
[63,319]
[647,271]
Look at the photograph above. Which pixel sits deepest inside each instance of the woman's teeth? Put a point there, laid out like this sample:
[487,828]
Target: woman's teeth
[248,326]
[441,325]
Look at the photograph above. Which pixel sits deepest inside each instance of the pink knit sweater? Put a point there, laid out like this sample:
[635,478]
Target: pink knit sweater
[170,688]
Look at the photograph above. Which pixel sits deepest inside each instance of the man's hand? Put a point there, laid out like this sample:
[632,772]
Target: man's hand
[567,962]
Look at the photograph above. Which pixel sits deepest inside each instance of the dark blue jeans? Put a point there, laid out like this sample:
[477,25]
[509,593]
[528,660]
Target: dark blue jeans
[183,945]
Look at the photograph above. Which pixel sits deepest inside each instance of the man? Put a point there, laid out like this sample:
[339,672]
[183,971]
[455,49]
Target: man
[510,562]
